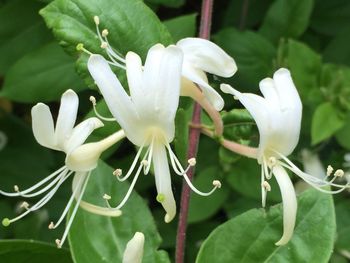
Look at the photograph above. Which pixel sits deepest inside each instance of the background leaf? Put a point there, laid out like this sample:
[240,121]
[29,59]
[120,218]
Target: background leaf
[250,237]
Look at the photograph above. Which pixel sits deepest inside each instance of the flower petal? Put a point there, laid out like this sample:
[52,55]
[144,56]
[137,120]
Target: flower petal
[207,56]
[66,116]
[81,132]
[199,77]
[85,157]
[118,101]
[134,249]
[289,202]
[43,127]
[258,108]
[134,74]
[163,181]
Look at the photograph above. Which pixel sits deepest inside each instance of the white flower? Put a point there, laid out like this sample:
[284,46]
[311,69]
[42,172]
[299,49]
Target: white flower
[134,249]
[202,56]
[278,117]
[68,139]
[147,115]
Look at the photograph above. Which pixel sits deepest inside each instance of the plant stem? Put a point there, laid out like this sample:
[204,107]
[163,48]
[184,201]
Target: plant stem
[194,133]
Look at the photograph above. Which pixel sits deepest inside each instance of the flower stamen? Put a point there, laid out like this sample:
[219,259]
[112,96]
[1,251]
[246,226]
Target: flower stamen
[93,101]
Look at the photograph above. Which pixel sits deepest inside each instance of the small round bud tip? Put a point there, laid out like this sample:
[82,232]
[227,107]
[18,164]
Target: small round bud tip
[80,47]
[217,183]
[192,161]
[160,198]
[6,222]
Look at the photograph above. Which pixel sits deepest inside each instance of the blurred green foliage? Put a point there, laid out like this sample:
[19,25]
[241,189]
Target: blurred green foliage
[311,38]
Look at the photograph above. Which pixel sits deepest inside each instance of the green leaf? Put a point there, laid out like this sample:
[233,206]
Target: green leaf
[325,122]
[305,66]
[131,24]
[22,30]
[182,26]
[253,54]
[286,18]
[330,17]
[169,3]
[95,238]
[181,134]
[25,251]
[250,237]
[337,50]
[343,225]
[244,177]
[42,75]
[342,135]
[202,207]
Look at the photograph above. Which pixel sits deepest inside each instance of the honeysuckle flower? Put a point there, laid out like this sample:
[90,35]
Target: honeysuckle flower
[278,117]
[199,56]
[133,252]
[3,140]
[68,139]
[147,115]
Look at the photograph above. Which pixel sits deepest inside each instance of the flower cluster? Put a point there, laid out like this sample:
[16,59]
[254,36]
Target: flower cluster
[146,115]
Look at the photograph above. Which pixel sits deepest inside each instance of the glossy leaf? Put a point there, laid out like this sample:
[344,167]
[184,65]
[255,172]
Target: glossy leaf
[286,18]
[325,122]
[250,237]
[23,251]
[42,75]
[182,26]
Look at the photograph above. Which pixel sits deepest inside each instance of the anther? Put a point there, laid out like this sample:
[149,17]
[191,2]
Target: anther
[144,162]
[266,185]
[117,172]
[339,173]
[217,183]
[80,47]
[192,161]
[97,20]
[93,100]
[272,162]
[51,226]
[58,243]
[24,205]
[16,188]
[106,197]
[104,45]
[330,170]
[105,32]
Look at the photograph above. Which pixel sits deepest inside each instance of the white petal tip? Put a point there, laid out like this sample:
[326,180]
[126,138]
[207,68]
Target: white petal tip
[281,71]
[168,218]
[228,89]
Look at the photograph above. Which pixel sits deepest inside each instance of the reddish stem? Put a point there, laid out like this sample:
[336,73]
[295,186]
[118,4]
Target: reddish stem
[194,133]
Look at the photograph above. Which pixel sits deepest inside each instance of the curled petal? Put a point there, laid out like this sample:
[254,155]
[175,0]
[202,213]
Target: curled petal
[163,181]
[134,249]
[199,77]
[66,116]
[85,157]
[207,56]
[81,132]
[289,202]
[43,127]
